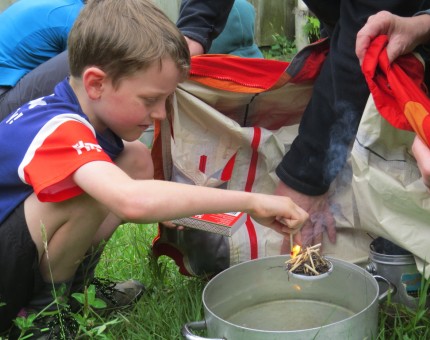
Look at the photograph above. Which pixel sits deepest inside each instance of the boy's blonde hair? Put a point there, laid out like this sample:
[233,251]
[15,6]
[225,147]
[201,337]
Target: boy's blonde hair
[124,36]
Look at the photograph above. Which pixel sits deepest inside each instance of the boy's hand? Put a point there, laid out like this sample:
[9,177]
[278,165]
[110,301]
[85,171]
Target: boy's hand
[279,213]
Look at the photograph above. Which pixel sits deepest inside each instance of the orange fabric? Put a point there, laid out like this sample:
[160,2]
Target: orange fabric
[398,89]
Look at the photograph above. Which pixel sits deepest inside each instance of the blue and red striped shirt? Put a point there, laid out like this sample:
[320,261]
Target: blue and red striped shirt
[43,143]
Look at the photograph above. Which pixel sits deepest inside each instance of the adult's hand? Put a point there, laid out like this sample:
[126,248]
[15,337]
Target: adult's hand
[320,216]
[404,33]
[195,47]
[422,155]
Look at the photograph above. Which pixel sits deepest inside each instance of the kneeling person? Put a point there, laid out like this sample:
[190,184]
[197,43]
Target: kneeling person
[66,179]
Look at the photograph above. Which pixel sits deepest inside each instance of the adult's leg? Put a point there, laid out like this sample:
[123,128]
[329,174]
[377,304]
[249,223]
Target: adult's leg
[37,83]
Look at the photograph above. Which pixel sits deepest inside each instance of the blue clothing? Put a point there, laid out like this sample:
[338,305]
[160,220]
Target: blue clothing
[43,143]
[237,38]
[31,32]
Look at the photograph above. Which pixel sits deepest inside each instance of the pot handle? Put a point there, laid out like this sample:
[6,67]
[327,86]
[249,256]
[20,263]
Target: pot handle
[198,325]
[392,289]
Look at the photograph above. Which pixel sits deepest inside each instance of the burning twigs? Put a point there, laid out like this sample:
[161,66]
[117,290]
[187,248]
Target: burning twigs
[309,262]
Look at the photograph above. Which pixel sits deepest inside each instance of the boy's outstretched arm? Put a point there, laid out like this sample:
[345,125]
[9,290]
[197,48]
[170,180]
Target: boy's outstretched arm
[145,201]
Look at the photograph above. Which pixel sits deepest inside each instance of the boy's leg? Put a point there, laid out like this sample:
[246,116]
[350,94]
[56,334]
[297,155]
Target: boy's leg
[28,272]
[71,228]
[68,228]
[18,266]
[136,161]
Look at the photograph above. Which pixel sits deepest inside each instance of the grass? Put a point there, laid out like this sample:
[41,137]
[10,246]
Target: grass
[173,300]
[400,322]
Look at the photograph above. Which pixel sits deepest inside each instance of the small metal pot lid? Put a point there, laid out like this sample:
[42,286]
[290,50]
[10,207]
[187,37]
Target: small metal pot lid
[313,277]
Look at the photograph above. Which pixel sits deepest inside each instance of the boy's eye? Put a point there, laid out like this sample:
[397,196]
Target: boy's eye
[150,100]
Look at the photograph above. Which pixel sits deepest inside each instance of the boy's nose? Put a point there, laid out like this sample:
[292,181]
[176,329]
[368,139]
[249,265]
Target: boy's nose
[159,112]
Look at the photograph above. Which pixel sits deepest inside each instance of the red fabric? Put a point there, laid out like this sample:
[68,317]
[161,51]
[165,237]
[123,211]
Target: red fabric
[249,72]
[308,62]
[398,89]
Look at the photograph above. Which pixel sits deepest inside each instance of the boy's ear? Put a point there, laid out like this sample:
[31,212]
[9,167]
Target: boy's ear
[94,80]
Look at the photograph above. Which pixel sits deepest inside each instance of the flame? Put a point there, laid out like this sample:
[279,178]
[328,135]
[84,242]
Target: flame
[295,251]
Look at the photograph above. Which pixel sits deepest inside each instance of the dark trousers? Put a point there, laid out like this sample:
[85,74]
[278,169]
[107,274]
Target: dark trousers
[37,83]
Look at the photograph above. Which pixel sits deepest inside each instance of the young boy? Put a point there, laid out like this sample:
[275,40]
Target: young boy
[65,180]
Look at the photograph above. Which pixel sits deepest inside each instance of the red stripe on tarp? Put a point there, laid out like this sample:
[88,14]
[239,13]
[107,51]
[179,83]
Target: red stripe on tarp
[252,238]
[202,164]
[228,169]
[248,187]
[254,158]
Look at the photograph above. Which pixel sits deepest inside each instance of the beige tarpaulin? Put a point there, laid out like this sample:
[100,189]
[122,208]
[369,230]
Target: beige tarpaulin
[235,140]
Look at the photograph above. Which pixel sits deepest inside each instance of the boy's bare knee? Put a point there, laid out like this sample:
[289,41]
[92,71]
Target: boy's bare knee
[64,222]
[54,215]
[136,160]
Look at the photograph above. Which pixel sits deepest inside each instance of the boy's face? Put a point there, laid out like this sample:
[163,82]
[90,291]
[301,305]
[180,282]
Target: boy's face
[137,102]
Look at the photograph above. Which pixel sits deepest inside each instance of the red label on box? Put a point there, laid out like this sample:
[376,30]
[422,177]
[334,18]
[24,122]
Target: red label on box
[226,219]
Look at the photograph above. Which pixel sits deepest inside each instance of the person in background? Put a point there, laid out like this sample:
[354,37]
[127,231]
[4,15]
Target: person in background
[64,192]
[330,121]
[238,36]
[200,20]
[32,32]
[405,34]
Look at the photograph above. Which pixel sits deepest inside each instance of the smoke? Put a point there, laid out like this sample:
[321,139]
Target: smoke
[341,136]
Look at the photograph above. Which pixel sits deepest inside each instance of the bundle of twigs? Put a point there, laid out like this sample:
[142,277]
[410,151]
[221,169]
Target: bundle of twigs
[308,262]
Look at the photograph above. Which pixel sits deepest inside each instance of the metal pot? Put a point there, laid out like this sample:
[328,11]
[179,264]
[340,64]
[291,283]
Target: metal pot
[398,266]
[258,299]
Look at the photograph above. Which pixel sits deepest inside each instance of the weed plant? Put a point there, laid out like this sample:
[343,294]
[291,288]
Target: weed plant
[282,48]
